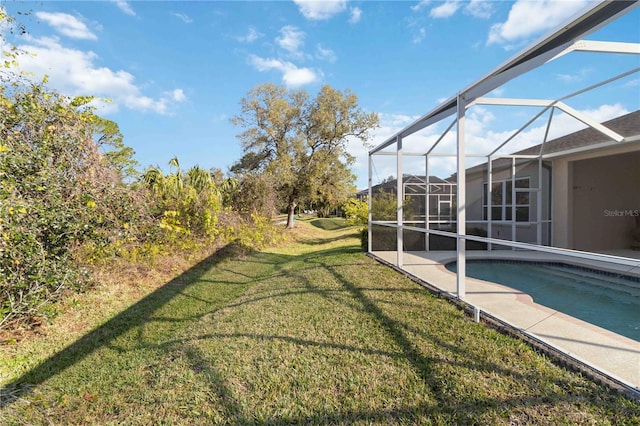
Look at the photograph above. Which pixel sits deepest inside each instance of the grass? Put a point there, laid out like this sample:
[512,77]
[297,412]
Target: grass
[329,223]
[312,332]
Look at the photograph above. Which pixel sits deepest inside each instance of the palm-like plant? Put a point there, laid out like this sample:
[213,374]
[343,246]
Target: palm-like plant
[155,180]
[199,178]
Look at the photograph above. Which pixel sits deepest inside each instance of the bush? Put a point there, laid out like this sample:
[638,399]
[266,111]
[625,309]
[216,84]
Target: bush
[364,239]
[356,211]
[57,193]
[65,208]
[252,232]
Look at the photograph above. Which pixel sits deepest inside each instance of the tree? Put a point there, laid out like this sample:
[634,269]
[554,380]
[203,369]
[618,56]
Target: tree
[299,140]
[333,186]
[254,193]
[62,199]
[118,156]
[59,197]
[384,206]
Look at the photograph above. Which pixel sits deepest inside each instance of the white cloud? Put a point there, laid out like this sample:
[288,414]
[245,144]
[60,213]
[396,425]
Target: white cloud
[396,121]
[480,8]
[184,18]
[124,6]
[74,72]
[605,112]
[578,76]
[529,18]
[632,83]
[481,138]
[356,15]
[445,10]
[568,78]
[292,76]
[497,92]
[295,77]
[320,9]
[67,25]
[325,54]
[420,5]
[477,8]
[291,40]
[251,36]
[419,36]
[561,125]
[178,95]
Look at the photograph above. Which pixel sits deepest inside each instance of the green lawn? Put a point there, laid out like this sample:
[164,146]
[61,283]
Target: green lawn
[329,223]
[314,333]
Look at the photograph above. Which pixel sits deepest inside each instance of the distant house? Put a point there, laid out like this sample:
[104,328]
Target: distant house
[441,197]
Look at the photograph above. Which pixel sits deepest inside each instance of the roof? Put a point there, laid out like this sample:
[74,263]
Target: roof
[627,125]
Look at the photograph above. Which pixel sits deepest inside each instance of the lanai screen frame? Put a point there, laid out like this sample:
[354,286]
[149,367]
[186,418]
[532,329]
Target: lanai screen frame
[566,39]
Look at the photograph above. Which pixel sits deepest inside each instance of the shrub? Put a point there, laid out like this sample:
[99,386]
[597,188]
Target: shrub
[356,211]
[364,239]
[56,194]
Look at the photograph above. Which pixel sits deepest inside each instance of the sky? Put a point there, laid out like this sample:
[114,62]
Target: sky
[172,74]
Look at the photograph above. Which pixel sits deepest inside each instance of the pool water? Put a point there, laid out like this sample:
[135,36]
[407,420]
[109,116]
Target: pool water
[607,300]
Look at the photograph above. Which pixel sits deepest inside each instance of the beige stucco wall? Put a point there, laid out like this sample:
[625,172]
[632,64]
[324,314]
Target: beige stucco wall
[595,196]
[619,167]
[606,199]
[562,204]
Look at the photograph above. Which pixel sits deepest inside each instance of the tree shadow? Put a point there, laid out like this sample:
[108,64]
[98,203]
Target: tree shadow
[322,241]
[136,316]
[427,366]
[329,224]
[365,296]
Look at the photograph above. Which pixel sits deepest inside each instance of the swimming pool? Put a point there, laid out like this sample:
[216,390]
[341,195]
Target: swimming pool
[608,300]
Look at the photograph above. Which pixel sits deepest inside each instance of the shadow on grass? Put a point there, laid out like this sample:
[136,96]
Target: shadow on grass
[135,316]
[320,241]
[449,406]
[330,223]
[427,365]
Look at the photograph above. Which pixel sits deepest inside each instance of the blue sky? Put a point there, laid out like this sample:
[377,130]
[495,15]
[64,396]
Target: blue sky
[175,71]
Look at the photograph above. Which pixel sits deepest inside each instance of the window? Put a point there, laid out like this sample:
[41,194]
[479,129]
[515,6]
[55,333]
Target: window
[502,200]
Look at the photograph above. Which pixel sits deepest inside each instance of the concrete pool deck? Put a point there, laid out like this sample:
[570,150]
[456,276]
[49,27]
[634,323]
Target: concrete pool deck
[612,354]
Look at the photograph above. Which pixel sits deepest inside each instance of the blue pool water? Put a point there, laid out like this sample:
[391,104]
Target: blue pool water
[607,300]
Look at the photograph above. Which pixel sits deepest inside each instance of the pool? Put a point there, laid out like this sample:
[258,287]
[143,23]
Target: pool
[608,300]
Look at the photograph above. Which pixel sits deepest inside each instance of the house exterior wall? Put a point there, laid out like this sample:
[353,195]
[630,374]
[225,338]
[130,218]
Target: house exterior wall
[606,199]
[525,232]
[596,196]
[562,204]
[586,184]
